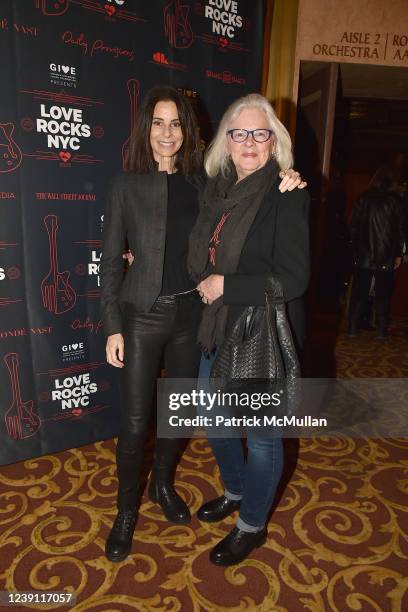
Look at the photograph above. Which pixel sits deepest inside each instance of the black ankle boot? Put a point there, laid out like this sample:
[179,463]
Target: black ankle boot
[218,509]
[236,546]
[161,488]
[174,508]
[119,542]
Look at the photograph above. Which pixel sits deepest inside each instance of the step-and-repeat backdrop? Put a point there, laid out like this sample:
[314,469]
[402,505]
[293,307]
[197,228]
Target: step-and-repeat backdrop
[73,73]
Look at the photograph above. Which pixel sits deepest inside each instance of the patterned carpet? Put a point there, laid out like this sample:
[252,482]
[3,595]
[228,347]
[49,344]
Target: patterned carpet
[338,538]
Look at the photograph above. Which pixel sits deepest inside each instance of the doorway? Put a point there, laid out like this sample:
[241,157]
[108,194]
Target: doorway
[351,119]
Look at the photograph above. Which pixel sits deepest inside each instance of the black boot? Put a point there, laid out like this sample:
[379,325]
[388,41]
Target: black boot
[129,460]
[218,509]
[161,487]
[236,546]
[119,542]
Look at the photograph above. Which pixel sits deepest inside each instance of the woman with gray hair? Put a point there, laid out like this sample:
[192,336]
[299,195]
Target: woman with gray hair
[246,230]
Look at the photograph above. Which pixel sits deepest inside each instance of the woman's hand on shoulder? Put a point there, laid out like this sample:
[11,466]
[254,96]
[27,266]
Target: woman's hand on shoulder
[291,179]
[211,288]
[115,350]
[129,257]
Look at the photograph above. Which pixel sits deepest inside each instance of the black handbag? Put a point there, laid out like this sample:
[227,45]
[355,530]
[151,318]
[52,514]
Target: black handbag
[260,347]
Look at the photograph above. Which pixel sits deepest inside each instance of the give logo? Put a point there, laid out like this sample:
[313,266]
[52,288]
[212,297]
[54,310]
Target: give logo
[73,352]
[73,347]
[62,69]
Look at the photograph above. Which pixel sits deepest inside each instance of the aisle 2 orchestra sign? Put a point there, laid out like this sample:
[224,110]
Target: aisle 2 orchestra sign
[355,32]
[366,45]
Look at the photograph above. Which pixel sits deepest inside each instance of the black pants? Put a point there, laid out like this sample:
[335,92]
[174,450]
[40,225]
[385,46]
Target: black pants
[384,283]
[167,334]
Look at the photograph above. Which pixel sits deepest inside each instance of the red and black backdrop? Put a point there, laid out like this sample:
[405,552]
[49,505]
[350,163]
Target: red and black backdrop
[73,73]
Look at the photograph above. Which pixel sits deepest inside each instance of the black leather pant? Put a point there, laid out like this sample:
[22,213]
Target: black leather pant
[167,334]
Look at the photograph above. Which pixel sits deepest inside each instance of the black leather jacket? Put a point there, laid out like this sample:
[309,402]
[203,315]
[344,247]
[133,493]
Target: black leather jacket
[377,230]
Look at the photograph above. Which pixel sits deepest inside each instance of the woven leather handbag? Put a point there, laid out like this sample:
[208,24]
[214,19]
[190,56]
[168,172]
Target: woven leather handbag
[260,346]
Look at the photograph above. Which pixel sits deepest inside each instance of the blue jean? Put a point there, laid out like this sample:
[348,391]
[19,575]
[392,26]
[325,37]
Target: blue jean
[254,481]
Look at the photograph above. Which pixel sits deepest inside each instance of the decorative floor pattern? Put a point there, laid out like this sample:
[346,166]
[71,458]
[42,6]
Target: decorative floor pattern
[338,539]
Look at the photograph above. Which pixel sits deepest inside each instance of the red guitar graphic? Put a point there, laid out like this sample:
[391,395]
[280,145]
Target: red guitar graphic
[21,420]
[55,8]
[133,86]
[58,296]
[176,25]
[52,7]
[10,152]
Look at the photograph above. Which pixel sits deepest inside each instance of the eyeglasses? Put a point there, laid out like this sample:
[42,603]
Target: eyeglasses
[260,135]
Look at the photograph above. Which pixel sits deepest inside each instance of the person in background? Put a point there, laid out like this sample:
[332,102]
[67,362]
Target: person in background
[400,166]
[377,235]
[246,230]
[151,313]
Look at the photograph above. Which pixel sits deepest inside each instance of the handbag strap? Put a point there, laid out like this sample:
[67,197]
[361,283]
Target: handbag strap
[273,290]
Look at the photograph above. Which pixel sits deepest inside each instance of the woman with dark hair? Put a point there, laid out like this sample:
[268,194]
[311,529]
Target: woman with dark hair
[377,235]
[151,313]
[143,154]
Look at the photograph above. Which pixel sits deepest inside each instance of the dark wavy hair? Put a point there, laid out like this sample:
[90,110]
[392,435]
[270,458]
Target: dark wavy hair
[140,155]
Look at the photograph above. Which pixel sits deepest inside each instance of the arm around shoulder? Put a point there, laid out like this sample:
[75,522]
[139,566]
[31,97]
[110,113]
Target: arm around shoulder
[290,254]
[292,248]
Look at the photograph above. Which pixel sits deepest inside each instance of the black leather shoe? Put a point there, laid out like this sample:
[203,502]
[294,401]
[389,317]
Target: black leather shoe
[218,509]
[119,543]
[174,508]
[236,546]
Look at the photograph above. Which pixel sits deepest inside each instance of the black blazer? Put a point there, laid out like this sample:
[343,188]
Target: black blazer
[277,242]
[135,216]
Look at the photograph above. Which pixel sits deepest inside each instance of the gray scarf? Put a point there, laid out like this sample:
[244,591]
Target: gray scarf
[242,200]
